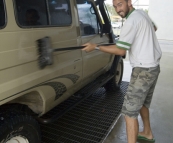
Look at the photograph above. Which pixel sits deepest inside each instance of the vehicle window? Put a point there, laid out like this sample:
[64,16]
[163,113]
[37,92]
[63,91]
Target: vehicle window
[102,20]
[2,14]
[31,12]
[41,13]
[107,12]
[59,12]
[88,20]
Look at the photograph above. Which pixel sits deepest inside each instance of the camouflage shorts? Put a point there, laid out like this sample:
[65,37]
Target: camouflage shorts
[140,90]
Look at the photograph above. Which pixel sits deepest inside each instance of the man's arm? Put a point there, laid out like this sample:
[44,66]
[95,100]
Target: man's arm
[113,49]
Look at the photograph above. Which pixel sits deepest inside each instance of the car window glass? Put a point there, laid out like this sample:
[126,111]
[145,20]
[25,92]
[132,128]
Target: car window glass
[102,20]
[31,12]
[88,20]
[59,12]
[107,13]
[2,14]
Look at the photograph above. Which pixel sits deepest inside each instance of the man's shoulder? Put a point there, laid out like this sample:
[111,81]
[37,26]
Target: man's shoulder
[137,16]
[138,13]
[134,17]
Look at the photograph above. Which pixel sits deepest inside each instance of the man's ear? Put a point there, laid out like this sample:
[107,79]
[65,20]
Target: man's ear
[129,3]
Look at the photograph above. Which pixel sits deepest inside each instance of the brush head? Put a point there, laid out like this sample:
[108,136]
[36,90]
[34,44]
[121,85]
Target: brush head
[45,52]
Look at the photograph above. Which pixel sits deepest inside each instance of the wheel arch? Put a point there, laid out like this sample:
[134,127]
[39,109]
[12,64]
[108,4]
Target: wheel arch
[32,99]
[37,99]
[117,71]
[114,64]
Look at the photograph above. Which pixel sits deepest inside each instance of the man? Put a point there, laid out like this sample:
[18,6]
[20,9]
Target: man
[138,36]
[32,17]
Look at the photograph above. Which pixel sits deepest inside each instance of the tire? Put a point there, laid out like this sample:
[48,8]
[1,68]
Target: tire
[114,83]
[19,128]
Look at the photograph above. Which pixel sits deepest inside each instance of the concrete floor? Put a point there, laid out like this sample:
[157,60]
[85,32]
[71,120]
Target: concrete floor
[161,110]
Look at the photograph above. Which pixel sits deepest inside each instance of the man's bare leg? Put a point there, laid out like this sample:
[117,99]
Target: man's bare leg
[144,112]
[131,129]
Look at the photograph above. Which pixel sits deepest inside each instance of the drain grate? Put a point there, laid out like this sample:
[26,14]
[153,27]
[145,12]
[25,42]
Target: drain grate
[89,122]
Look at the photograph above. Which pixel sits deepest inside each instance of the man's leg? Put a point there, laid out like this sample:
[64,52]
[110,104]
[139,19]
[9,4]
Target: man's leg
[131,129]
[135,98]
[132,105]
[144,112]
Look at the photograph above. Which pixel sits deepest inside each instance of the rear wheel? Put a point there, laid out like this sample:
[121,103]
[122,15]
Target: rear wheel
[18,139]
[114,83]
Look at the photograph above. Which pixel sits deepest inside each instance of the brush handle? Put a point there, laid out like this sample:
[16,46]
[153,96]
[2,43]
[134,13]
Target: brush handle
[68,48]
[78,47]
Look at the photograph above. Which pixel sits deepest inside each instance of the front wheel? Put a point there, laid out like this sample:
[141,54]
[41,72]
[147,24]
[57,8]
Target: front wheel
[19,129]
[114,83]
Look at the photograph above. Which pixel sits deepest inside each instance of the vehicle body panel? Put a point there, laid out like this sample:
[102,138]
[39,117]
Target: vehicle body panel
[21,79]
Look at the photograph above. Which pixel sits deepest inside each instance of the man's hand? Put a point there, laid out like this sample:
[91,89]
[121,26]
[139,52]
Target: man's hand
[112,49]
[89,47]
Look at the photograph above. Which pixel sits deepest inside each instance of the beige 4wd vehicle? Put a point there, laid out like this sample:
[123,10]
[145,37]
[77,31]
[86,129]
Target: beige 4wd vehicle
[34,77]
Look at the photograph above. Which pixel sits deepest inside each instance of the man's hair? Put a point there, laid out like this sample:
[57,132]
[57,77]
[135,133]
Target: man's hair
[34,12]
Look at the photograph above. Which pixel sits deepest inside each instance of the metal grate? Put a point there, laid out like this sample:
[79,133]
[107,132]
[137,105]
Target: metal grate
[89,122]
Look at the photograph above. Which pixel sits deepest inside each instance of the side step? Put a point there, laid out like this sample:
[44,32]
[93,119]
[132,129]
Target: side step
[74,100]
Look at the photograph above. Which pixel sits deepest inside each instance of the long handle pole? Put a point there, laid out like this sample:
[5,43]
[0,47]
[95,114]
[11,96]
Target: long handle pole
[78,47]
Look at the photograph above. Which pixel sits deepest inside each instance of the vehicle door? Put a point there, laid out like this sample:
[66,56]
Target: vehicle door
[34,20]
[93,62]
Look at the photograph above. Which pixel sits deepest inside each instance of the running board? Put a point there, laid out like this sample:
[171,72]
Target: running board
[77,98]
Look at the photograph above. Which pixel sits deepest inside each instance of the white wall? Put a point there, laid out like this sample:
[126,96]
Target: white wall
[140,4]
[161,12]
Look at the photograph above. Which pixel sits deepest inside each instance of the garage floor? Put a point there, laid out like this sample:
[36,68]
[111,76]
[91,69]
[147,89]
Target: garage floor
[88,122]
[161,113]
